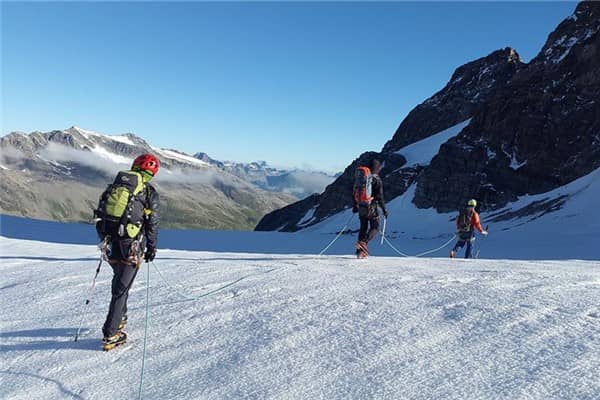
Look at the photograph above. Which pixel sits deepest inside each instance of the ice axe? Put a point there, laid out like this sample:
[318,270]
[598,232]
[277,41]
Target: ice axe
[383,230]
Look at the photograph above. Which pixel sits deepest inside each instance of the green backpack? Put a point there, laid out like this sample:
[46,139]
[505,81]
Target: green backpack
[119,211]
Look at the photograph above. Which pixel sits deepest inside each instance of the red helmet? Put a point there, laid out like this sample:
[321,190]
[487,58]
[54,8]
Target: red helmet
[147,162]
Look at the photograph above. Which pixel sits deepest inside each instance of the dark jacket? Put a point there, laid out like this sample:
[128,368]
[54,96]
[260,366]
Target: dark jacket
[377,192]
[152,204]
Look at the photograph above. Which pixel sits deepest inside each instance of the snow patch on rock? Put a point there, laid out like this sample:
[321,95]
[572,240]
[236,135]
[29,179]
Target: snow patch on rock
[422,152]
[122,139]
[181,157]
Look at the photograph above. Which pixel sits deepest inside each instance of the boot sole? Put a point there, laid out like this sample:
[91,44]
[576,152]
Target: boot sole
[110,346]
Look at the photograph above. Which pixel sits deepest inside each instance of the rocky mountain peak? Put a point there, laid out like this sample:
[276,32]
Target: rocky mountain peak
[203,157]
[488,67]
[470,86]
[538,133]
[579,27]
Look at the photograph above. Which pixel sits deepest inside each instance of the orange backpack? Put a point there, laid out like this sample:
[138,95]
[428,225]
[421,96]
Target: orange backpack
[362,186]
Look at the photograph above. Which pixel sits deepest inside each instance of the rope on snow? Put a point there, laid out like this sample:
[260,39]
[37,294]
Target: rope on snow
[338,235]
[145,333]
[394,248]
[195,298]
[420,254]
[437,249]
[191,298]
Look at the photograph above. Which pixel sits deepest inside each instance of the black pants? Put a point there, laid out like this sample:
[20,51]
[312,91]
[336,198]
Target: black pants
[369,227]
[465,238]
[461,243]
[123,277]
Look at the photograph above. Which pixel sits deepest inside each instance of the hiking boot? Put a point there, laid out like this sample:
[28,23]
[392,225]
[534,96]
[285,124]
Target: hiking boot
[452,254]
[109,343]
[362,250]
[362,246]
[123,323]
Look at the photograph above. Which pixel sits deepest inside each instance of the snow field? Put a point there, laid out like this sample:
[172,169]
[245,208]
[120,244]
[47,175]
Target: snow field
[303,327]
[423,151]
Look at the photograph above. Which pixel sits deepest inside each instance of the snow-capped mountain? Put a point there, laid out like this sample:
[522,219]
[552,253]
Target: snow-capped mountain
[499,131]
[60,174]
[296,182]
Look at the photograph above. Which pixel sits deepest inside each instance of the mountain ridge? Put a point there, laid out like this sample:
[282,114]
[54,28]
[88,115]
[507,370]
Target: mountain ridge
[58,175]
[493,92]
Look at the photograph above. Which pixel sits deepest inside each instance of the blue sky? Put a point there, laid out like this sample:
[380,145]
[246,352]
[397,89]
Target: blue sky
[296,84]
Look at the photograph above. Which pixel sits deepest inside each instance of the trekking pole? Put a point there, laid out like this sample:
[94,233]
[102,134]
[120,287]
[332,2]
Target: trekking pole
[91,292]
[383,231]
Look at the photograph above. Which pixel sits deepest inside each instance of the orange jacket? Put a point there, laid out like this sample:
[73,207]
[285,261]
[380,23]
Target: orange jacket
[475,222]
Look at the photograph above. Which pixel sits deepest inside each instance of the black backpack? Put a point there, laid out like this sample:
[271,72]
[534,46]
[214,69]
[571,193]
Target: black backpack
[120,211]
[463,222]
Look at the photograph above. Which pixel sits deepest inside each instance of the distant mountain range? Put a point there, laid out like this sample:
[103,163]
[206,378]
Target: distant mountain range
[59,175]
[296,182]
[502,129]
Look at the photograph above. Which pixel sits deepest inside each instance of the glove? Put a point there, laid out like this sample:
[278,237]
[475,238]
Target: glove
[355,209]
[385,213]
[150,254]
[484,233]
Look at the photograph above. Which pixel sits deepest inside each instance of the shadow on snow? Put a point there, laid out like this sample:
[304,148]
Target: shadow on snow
[46,339]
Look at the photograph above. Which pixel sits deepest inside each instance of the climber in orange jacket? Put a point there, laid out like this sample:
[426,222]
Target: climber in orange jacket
[466,223]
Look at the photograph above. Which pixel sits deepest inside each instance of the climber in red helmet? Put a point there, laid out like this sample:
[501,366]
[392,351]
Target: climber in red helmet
[127,224]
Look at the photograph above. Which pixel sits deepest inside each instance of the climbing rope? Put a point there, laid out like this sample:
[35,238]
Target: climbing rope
[192,298]
[420,254]
[145,332]
[338,235]
[394,248]
[437,249]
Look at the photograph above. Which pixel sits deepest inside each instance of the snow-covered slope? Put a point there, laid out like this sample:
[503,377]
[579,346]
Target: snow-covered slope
[302,327]
[421,152]
[557,224]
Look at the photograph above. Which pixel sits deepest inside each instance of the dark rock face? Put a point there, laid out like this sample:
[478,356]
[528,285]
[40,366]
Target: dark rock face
[470,86]
[539,132]
[207,159]
[288,218]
